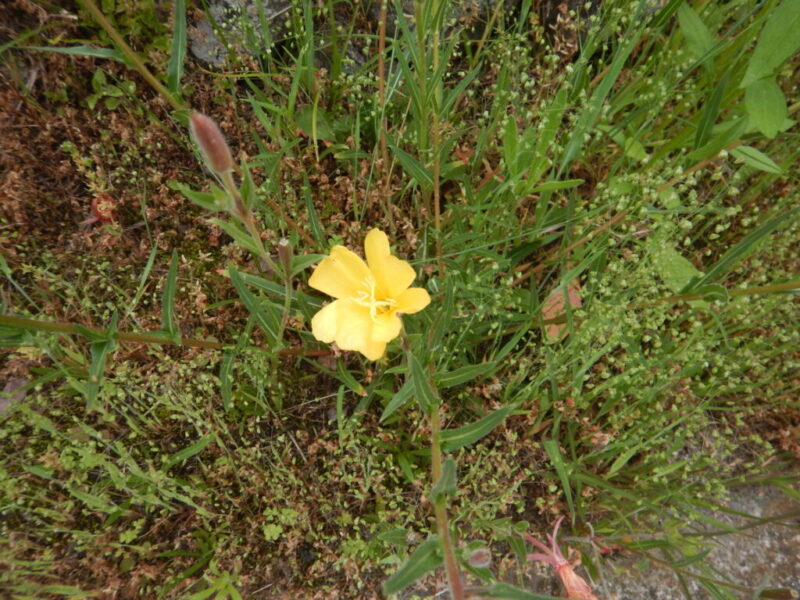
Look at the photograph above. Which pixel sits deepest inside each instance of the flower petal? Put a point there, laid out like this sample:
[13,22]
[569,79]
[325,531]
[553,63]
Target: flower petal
[325,323]
[386,327]
[373,350]
[341,274]
[412,300]
[354,328]
[391,274]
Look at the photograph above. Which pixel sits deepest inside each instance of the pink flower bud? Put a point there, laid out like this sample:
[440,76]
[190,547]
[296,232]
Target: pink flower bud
[212,144]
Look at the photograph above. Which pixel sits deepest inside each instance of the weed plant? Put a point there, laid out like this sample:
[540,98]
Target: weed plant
[608,236]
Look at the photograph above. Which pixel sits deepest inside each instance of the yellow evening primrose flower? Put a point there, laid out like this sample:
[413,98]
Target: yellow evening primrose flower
[370,297]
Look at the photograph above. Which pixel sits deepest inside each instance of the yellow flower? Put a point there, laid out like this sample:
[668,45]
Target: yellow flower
[370,296]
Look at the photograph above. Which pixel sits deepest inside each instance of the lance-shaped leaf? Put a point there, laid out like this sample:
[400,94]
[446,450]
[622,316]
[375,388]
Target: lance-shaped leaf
[422,387]
[446,486]
[168,323]
[265,313]
[453,439]
[425,558]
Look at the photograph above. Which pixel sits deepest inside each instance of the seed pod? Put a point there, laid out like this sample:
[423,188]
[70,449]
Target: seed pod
[212,143]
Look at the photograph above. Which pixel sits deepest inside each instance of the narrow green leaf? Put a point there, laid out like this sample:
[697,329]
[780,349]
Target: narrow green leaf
[67,590]
[413,167]
[446,486]
[425,558]
[766,105]
[225,381]
[779,39]
[698,37]
[710,113]
[753,157]
[247,189]
[266,315]
[346,377]
[228,361]
[745,246]
[214,201]
[178,55]
[458,90]
[241,238]
[549,186]
[403,395]
[189,451]
[92,501]
[151,260]
[622,460]
[504,591]
[302,262]
[422,387]
[724,135]
[551,447]
[463,374]
[592,111]
[100,350]
[552,120]
[511,146]
[665,14]
[168,323]
[453,439]
[107,53]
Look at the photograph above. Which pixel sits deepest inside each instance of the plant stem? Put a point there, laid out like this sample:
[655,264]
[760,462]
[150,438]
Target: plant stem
[142,338]
[131,54]
[246,216]
[440,510]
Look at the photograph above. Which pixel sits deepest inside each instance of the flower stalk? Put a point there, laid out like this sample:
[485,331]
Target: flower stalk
[454,580]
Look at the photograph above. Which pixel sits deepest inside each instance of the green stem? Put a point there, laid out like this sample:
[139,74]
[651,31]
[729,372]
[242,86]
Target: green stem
[134,59]
[440,510]
[439,507]
[142,338]
[246,216]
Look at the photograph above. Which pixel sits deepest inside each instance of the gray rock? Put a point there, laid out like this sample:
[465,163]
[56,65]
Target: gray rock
[242,25]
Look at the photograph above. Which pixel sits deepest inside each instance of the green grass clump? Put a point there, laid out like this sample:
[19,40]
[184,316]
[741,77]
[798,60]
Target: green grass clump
[603,210]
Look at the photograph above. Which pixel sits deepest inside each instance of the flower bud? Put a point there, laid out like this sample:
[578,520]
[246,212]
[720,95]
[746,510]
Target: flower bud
[480,558]
[285,256]
[212,144]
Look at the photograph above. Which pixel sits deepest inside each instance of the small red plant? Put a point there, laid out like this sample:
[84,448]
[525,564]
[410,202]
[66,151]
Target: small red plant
[103,211]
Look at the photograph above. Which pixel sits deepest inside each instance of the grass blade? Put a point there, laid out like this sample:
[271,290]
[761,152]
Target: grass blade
[178,55]
[740,251]
[551,447]
[453,439]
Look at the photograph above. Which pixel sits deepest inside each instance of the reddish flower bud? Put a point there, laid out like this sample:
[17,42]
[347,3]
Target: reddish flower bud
[285,255]
[212,143]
